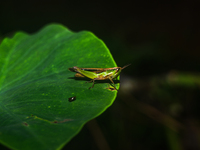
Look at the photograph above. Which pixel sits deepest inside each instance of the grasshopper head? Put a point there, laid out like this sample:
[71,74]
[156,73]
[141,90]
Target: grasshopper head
[118,71]
[115,72]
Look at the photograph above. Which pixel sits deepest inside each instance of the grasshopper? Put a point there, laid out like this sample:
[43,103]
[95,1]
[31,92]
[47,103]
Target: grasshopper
[98,73]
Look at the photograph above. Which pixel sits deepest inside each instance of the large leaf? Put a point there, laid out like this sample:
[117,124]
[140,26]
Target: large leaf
[35,85]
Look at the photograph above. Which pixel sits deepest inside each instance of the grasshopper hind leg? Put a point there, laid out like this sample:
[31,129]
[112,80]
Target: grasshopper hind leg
[92,84]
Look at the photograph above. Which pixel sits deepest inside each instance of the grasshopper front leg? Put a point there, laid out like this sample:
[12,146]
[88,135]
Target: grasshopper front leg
[113,83]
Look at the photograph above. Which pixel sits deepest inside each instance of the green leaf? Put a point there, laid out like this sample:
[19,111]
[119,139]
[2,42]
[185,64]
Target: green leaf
[35,85]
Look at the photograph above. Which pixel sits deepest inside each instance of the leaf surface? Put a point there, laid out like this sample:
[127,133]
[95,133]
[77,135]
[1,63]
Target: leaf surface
[35,85]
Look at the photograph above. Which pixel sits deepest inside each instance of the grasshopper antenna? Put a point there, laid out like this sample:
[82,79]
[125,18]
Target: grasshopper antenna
[126,66]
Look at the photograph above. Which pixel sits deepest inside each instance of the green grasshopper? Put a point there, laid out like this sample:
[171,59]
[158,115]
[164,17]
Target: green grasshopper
[98,73]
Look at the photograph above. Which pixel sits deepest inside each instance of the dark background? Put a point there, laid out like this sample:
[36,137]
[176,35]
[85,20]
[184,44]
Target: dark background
[158,102]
